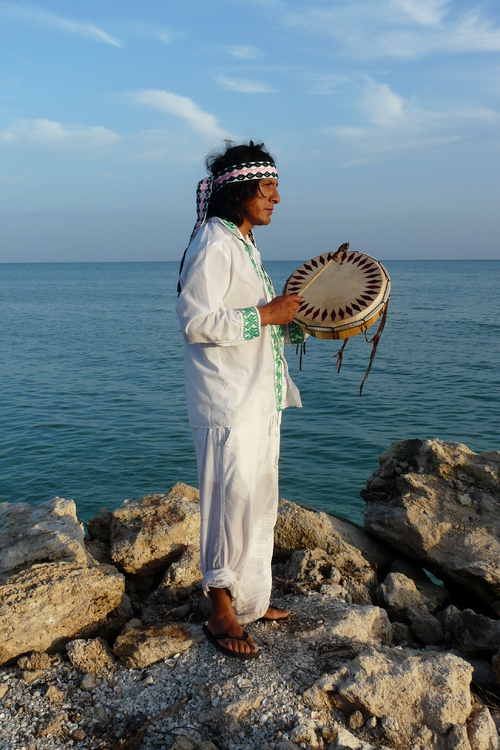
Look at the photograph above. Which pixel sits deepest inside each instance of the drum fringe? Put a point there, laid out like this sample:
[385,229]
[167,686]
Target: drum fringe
[374,342]
[340,355]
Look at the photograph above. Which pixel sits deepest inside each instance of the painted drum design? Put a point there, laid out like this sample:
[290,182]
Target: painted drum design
[341,297]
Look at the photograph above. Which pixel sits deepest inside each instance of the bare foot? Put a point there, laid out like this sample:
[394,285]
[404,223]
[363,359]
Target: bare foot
[223,620]
[273,613]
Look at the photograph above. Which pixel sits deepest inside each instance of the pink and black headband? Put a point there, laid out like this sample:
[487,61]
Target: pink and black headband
[252,170]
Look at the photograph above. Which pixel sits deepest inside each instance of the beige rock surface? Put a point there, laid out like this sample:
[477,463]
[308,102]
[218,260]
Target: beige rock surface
[442,509]
[46,605]
[150,533]
[350,623]
[298,528]
[139,647]
[47,532]
[481,730]
[420,689]
[182,577]
[91,656]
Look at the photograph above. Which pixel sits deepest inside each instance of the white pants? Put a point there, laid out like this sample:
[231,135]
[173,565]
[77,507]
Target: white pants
[238,476]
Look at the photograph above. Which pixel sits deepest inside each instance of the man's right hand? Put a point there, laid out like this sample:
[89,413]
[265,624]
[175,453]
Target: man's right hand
[280,310]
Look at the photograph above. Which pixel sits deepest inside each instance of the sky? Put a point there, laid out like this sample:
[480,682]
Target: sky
[383,117]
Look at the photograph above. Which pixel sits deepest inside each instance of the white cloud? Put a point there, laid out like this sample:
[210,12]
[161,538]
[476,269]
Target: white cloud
[425,12]
[383,106]
[245,52]
[397,28]
[245,86]
[50,133]
[183,107]
[32,14]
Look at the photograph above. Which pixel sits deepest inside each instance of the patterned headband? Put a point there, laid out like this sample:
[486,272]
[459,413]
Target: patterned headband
[252,170]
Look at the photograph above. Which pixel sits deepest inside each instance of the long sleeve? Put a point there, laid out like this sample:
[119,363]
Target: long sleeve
[202,306]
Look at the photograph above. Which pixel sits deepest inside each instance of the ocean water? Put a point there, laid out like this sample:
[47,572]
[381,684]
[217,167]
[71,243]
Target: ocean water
[92,400]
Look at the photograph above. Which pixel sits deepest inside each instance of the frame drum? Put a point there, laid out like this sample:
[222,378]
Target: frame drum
[343,294]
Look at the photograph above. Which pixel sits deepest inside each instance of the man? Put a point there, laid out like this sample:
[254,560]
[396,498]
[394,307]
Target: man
[237,384]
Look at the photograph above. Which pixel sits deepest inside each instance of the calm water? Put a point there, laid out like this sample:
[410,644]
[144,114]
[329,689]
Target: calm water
[92,398]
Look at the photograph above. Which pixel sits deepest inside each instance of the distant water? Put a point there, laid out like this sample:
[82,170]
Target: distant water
[92,400]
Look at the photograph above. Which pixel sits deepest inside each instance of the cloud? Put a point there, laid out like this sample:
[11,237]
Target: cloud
[245,52]
[245,86]
[370,29]
[31,14]
[183,107]
[50,133]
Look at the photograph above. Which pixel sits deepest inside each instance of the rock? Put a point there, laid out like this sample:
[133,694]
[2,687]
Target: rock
[4,689]
[401,634]
[45,606]
[397,593]
[349,623]
[356,720]
[484,674]
[429,690]
[422,512]
[496,666]
[457,738]
[481,730]
[347,741]
[99,527]
[35,662]
[311,566]
[49,725]
[433,595]
[149,534]
[474,634]
[304,733]
[426,627]
[182,743]
[54,695]
[90,656]
[297,528]
[181,579]
[99,551]
[47,532]
[139,647]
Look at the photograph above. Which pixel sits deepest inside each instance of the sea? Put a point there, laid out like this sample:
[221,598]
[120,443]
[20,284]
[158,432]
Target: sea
[92,403]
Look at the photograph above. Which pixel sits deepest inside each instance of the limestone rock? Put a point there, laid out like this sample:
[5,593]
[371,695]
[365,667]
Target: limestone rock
[396,593]
[347,741]
[474,634]
[139,647]
[148,534]
[297,528]
[49,604]
[182,577]
[99,527]
[433,595]
[482,731]
[457,738]
[421,689]
[443,510]
[349,623]
[54,695]
[90,656]
[99,551]
[47,532]
[36,662]
[425,626]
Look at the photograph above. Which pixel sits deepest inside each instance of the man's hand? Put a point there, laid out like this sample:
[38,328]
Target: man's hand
[280,310]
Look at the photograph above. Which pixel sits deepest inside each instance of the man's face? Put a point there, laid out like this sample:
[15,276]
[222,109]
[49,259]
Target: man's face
[258,210]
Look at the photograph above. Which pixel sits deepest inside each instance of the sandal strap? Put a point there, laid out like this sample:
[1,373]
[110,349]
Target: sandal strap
[229,637]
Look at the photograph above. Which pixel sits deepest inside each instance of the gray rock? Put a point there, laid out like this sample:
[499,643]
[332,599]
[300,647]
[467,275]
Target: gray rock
[351,624]
[149,534]
[49,604]
[457,738]
[47,532]
[444,511]
[422,689]
[181,579]
[433,595]
[496,666]
[426,627]
[481,730]
[474,634]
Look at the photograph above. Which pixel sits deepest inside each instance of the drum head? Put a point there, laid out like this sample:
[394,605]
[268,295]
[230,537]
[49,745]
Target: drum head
[344,297]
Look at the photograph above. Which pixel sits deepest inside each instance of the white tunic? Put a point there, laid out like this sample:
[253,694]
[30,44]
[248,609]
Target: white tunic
[235,370]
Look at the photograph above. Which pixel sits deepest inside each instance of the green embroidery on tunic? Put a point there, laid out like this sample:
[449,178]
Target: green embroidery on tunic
[251,323]
[277,338]
[297,335]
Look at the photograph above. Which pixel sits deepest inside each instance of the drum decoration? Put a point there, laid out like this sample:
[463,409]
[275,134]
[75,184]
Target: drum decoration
[344,293]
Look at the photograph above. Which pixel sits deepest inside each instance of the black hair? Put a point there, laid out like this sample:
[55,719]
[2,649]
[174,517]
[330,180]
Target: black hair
[227,202]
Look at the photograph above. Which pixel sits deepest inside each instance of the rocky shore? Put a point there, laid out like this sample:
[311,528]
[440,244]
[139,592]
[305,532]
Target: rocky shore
[393,642]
